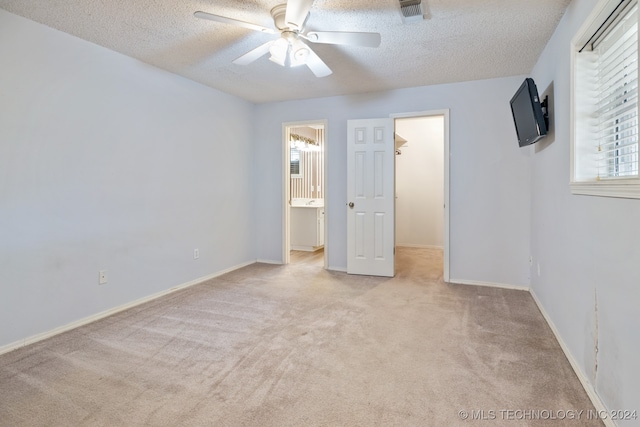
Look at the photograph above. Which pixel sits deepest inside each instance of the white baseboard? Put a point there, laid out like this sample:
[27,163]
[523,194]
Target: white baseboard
[586,384]
[339,269]
[306,248]
[411,245]
[490,284]
[39,337]
[269,261]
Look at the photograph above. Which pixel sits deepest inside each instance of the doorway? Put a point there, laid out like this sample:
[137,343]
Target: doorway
[304,224]
[422,184]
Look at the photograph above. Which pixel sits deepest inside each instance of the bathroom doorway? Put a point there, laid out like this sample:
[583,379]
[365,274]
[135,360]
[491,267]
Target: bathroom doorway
[304,237]
[422,187]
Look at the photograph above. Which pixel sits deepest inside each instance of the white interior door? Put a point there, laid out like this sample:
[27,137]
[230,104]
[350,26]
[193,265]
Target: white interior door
[370,195]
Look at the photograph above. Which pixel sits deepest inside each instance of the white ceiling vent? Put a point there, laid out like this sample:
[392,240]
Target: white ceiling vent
[411,10]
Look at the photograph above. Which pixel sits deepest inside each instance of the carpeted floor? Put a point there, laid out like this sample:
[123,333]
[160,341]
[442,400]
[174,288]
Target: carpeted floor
[296,345]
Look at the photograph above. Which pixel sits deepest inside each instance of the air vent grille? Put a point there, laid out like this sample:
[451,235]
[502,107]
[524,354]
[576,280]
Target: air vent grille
[411,10]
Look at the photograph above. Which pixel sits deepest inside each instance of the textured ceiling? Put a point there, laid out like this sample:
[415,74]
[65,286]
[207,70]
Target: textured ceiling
[459,40]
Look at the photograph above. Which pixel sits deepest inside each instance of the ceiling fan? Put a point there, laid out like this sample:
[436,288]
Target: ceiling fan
[289,49]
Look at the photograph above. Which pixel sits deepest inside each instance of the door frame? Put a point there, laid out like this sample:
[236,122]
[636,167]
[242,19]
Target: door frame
[445,114]
[286,187]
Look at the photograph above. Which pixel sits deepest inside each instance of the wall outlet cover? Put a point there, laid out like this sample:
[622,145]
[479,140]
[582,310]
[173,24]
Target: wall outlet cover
[102,277]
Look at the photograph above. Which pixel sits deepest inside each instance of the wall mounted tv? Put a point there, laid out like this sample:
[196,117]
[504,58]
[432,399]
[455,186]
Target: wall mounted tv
[529,114]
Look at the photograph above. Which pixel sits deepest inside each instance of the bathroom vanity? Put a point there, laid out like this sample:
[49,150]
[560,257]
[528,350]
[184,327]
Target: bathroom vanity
[307,227]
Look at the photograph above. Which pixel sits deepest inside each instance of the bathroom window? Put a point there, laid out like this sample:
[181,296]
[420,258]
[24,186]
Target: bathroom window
[605,103]
[295,163]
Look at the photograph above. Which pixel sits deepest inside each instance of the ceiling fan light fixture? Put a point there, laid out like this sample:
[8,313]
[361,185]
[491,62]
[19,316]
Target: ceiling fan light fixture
[299,53]
[279,50]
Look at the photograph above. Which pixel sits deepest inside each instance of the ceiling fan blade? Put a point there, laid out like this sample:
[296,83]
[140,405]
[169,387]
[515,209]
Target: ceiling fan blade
[254,54]
[225,20]
[344,37]
[297,11]
[317,65]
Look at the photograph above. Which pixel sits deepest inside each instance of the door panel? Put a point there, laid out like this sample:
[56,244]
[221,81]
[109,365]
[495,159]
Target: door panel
[359,174]
[359,235]
[370,192]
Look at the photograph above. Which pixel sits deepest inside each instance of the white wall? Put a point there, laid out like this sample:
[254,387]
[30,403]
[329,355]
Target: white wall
[588,247]
[107,163]
[420,182]
[489,174]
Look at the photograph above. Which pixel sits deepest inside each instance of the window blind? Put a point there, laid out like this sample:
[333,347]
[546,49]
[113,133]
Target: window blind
[616,87]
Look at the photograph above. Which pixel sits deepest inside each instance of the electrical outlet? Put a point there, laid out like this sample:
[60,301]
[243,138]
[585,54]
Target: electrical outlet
[196,253]
[102,277]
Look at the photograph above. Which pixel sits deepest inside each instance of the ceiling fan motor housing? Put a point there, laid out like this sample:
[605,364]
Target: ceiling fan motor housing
[278,13]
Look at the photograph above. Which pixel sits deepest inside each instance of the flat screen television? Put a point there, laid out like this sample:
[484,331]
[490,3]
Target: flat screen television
[528,115]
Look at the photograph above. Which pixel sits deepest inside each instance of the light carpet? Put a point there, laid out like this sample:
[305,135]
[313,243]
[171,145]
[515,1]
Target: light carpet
[297,345]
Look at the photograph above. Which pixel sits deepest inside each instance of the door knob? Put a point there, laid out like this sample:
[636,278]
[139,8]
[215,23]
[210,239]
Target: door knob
[350,205]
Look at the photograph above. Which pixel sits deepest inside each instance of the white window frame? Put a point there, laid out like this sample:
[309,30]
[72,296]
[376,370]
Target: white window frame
[300,173]
[617,187]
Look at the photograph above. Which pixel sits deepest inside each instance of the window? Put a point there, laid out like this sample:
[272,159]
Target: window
[295,165]
[605,103]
